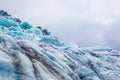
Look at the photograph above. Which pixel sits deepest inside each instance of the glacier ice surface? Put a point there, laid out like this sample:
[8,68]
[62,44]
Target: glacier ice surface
[33,53]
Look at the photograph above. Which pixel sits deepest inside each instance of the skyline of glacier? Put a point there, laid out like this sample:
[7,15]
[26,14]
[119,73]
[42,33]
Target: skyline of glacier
[84,22]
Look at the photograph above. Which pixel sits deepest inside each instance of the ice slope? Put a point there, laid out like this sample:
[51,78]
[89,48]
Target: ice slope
[33,53]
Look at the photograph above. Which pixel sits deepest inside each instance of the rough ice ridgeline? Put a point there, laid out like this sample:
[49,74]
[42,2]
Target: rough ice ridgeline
[30,53]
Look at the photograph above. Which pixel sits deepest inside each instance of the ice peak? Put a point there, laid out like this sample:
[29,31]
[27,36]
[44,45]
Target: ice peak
[4,13]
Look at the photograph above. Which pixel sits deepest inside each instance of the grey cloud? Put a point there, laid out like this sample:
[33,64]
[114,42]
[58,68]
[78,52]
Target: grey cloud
[112,35]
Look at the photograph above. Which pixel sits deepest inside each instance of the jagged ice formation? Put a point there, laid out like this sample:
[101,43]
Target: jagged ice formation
[33,53]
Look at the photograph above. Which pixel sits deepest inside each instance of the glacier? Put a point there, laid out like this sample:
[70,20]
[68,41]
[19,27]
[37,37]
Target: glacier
[33,53]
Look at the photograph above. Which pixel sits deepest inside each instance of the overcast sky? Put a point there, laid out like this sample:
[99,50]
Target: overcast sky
[84,22]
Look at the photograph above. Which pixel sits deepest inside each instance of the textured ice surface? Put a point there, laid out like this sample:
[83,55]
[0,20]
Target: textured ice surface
[32,53]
